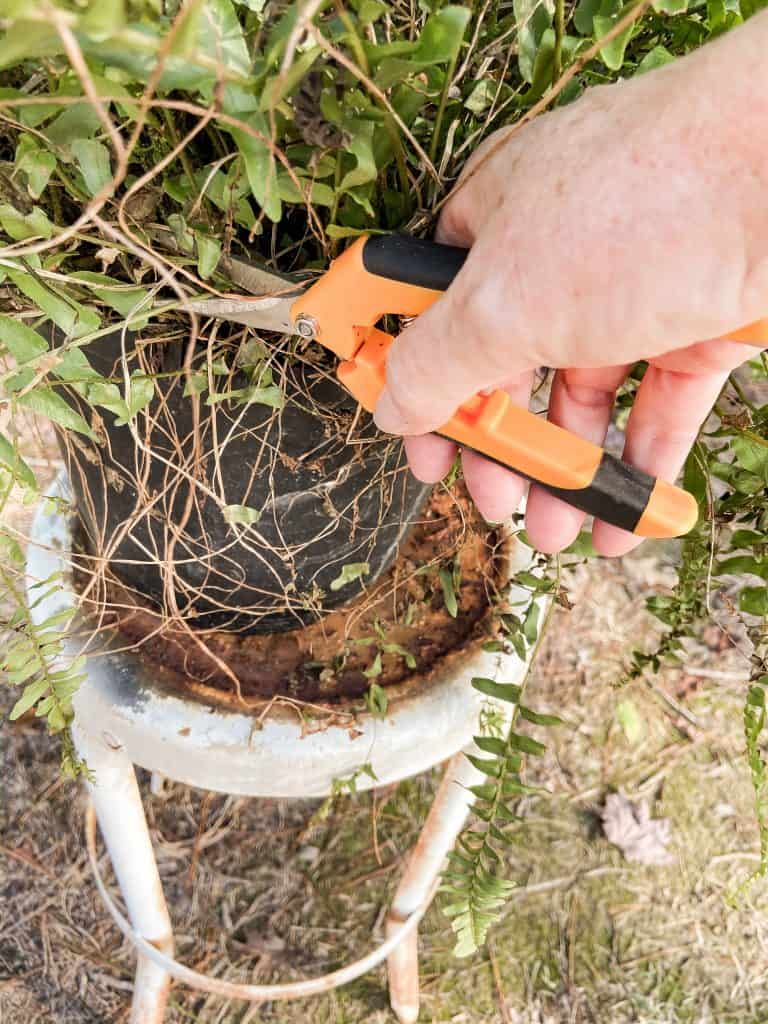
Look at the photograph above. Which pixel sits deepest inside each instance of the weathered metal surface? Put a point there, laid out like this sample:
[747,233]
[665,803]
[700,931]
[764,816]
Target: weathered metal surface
[117,803]
[234,990]
[444,822]
[403,975]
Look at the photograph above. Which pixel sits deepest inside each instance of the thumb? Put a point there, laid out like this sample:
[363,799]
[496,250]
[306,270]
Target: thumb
[467,341]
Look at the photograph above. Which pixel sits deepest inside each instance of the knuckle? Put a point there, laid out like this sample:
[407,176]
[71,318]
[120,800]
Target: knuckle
[585,395]
[475,300]
[455,226]
[473,327]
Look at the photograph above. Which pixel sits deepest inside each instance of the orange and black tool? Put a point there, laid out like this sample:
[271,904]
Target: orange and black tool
[397,274]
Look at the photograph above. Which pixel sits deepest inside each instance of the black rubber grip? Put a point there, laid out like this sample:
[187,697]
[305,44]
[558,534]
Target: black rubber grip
[414,261]
[618,494]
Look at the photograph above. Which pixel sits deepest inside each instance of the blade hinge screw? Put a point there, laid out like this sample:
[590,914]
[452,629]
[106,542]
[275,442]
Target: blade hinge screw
[306,326]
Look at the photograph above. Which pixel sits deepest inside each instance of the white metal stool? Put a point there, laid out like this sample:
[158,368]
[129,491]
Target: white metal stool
[125,716]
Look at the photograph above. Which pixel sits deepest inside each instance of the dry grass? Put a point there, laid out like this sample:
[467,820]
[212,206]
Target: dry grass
[588,937]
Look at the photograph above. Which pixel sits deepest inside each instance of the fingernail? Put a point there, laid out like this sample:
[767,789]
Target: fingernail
[386,415]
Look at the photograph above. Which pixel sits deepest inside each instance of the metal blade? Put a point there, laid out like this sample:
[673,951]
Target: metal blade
[255,279]
[270,314]
[270,310]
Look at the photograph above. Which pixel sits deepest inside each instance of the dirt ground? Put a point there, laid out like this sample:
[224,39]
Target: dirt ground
[257,895]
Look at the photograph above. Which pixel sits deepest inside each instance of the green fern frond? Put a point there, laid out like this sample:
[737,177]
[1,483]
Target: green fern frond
[35,657]
[754,716]
[474,876]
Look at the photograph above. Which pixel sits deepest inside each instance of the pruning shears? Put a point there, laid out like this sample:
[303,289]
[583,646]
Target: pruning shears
[401,275]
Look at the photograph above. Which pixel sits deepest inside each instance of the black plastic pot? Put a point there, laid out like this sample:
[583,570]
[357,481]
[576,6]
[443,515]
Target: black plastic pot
[330,491]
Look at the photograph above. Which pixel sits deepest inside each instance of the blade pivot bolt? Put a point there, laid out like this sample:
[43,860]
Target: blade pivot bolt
[306,326]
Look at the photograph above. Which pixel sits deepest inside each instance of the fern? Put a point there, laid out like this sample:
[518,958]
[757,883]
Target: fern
[35,658]
[754,723]
[344,785]
[729,541]
[474,876]
[686,606]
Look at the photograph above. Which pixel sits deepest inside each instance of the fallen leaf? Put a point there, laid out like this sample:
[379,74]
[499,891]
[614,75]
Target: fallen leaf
[687,686]
[717,639]
[629,826]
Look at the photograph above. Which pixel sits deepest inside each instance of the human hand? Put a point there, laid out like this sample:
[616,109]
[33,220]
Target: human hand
[629,225]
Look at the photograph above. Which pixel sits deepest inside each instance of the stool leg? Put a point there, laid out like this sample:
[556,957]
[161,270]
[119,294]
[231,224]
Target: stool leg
[120,814]
[444,822]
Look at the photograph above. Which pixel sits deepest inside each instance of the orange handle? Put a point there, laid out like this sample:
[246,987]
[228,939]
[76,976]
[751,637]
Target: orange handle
[349,300]
[571,468]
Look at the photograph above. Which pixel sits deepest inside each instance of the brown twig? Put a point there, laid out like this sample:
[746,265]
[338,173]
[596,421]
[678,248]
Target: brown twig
[502,999]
